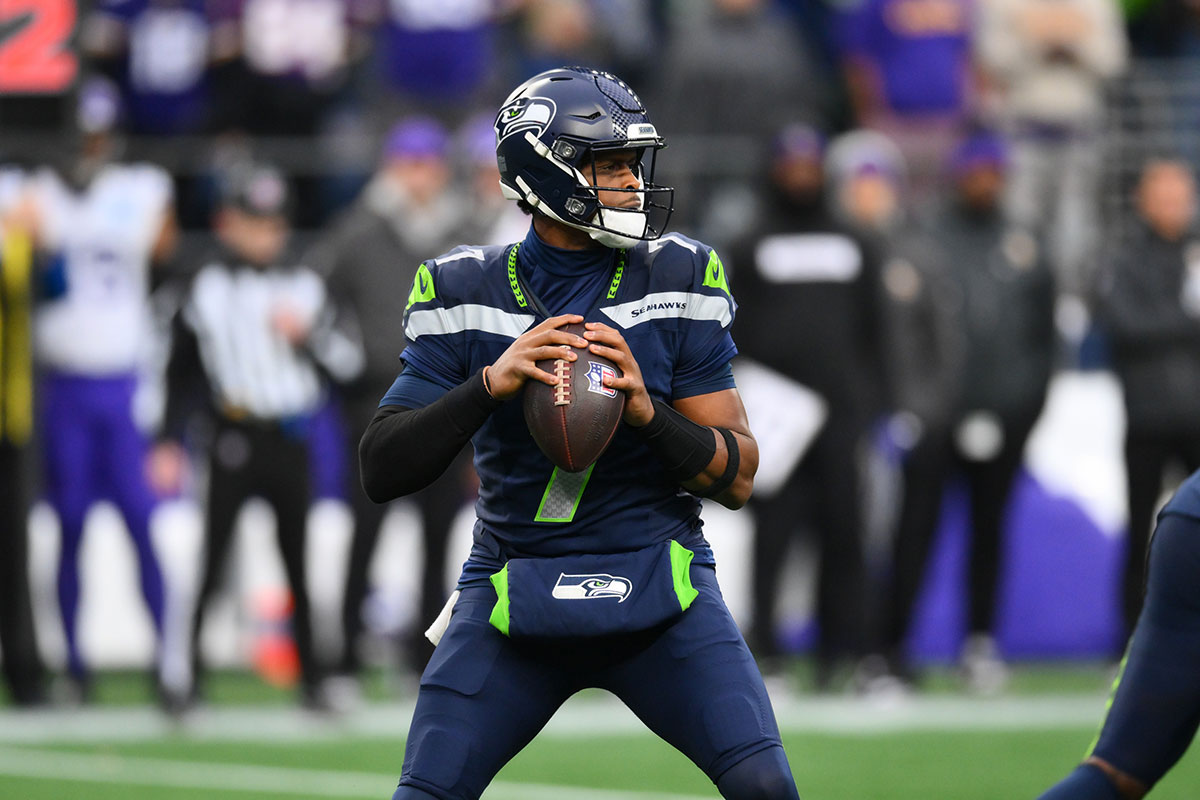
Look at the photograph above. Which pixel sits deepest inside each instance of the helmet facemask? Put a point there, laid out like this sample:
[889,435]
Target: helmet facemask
[619,224]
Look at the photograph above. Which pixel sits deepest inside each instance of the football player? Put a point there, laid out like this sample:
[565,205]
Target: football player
[647,621]
[100,226]
[1155,708]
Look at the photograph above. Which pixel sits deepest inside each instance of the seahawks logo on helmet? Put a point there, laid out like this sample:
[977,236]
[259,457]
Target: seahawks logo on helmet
[591,587]
[525,114]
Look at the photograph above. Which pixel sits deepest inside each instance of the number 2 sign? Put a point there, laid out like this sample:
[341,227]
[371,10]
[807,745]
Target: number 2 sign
[35,51]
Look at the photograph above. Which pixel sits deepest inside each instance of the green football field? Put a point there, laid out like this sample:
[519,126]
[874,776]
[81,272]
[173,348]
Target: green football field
[252,744]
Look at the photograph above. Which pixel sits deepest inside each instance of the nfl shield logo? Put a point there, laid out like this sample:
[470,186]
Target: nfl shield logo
[596,374]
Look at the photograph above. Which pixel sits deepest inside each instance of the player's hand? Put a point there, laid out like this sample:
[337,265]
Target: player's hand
[608,342]
[166,466]
[292,325]
[518,363]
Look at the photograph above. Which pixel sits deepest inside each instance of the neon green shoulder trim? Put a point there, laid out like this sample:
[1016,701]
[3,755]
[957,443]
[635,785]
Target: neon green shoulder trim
[714,273]
[422,288]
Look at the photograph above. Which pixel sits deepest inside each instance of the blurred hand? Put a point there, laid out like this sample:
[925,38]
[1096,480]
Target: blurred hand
[292,325]
[166,466]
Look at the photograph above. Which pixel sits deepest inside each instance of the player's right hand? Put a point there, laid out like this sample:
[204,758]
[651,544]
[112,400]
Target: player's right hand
[518,363]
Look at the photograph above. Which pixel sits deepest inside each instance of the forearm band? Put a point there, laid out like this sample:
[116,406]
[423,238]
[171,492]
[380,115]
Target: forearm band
[686,448]
[405,449]
[733,460]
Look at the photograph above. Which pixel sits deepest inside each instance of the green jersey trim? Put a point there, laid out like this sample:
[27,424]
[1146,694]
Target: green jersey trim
[681,574]
[422,288]
[500,615]
[714,274]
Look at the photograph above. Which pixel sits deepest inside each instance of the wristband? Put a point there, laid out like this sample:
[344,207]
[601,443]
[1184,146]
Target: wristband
[733,460]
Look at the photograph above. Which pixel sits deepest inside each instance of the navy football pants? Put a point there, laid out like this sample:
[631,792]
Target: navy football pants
[484,697]
[1156,704]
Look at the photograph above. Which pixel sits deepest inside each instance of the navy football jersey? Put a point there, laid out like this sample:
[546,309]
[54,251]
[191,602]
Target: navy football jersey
[1186,500]
[670,300]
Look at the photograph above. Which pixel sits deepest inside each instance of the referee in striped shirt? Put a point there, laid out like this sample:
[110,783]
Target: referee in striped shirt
[258,330]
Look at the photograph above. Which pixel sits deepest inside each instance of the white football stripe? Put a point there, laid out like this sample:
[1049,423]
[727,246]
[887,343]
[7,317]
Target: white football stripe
[658,243]
[470,252]
[466,317]
[665,305]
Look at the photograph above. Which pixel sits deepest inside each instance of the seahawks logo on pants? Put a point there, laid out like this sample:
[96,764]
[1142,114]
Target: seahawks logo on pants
[590,587]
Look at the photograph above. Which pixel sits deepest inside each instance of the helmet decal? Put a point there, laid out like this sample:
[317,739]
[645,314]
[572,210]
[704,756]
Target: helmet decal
[525,114]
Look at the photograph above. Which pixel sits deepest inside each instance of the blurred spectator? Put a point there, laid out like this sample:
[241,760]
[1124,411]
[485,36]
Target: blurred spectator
[606,34]
[558,32]
[1149,305]
[734,69]
[491,218]
[1005,287]
[282,68]
[370,258]
[908,72]
[22,665]
[252,342]
[440,56]
[99,227]
[159,52]
[807,290]
[868,184]
[1049,62]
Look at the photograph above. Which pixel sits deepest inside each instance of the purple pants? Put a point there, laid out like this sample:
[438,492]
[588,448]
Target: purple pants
[93,451]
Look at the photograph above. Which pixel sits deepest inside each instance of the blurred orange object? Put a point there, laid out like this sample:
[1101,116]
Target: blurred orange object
[273,650]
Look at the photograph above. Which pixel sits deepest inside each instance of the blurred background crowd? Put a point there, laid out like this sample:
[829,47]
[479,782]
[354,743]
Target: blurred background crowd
[942,220]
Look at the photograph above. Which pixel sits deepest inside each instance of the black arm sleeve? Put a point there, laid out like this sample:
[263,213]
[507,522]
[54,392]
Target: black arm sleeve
[406,449]
[685,447]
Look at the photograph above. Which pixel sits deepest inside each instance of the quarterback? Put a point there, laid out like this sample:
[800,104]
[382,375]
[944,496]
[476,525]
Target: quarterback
[643,616]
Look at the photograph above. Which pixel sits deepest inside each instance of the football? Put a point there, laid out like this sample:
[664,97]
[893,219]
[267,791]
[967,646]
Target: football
[574,421]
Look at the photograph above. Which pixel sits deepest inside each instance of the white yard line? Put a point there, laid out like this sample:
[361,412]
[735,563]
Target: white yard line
[289,781]
[97,768]
[597,715]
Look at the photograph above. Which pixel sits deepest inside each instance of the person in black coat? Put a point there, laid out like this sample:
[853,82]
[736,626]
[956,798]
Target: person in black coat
[808,288]
[1149,305]
[369,259]
[990,352]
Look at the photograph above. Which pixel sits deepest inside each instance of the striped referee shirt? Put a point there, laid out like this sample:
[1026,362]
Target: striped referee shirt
[252,368]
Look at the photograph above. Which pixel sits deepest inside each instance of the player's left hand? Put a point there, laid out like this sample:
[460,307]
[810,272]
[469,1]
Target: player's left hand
[608,342]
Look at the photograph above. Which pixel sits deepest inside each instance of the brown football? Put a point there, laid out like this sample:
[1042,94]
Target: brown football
[574,421]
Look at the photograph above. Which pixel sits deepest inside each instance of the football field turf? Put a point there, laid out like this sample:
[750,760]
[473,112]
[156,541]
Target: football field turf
[936,745]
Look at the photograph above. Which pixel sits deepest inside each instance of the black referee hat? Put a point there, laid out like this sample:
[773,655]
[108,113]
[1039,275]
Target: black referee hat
[257,189]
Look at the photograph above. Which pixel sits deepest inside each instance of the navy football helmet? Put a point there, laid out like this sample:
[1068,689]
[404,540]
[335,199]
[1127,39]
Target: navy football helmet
[548,134]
